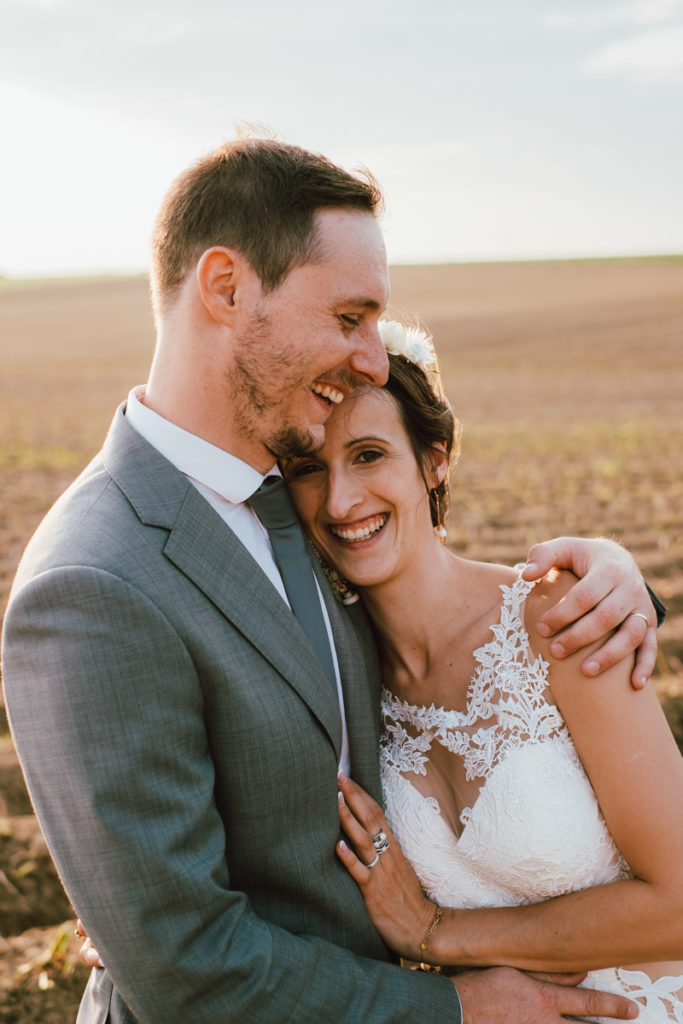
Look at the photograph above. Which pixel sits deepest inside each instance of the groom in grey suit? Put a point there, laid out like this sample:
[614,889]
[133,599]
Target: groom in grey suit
[179,737]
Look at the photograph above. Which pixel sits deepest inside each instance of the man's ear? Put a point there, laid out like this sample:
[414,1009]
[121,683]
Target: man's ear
[219,272]
[436,464]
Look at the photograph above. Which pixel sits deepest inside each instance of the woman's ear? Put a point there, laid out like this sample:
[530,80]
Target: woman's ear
[437,464]
[218,277]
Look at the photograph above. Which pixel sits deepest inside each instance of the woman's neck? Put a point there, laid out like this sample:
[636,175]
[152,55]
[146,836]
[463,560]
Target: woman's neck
[409,611]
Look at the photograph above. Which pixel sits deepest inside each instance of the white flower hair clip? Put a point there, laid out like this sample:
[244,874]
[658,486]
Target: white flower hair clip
[410,342]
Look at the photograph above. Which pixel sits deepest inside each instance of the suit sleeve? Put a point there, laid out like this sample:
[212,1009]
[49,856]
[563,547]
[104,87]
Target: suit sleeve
[107,714]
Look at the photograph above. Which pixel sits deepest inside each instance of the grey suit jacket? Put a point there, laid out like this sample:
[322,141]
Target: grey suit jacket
[180,743]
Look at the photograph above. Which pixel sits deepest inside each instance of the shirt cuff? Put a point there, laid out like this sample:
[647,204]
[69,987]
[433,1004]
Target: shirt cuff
[458,1019]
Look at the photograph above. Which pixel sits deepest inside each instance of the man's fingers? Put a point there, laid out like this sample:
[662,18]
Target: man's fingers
[620,646]
[542,557]
[586,1002]
[590,609]
[646,659]
[632,635]
[609,596]
[593,627]
[504,996]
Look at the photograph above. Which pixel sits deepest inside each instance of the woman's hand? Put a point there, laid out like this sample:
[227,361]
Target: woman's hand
[393,897]
[88,955]
[610,595]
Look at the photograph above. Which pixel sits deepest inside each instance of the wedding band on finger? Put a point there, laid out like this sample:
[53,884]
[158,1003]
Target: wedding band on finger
[643,617]
[373,862]
[380,842]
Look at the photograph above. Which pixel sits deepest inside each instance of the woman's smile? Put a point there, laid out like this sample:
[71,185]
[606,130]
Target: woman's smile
[361,530]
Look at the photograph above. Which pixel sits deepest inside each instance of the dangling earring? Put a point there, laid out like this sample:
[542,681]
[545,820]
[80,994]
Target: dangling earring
[440,531]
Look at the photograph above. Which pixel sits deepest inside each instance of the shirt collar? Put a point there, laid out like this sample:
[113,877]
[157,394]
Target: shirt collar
[199,460]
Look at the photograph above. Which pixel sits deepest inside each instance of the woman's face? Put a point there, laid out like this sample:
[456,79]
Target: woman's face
[362,497]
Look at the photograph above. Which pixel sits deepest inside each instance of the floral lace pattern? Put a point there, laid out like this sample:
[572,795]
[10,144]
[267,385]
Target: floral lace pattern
[659,1000]
[535,829]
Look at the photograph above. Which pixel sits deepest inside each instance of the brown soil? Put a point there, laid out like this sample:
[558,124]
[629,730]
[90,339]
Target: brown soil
[567,376]
[41,979]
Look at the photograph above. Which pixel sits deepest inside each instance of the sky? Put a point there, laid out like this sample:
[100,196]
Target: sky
[499,129]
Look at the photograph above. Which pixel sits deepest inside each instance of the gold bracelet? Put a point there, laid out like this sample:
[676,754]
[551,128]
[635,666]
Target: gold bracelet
[438,914]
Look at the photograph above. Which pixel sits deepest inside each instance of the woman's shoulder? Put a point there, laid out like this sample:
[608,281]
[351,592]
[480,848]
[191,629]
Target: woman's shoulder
[484,583]
[489,577]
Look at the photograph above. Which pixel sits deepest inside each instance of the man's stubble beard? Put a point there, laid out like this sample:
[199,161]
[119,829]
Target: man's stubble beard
[257,359]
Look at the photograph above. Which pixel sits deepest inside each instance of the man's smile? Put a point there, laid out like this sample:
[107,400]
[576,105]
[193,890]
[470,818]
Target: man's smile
[328,392]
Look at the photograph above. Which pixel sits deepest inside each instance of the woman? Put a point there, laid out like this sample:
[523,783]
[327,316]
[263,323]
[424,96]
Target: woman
[489,742]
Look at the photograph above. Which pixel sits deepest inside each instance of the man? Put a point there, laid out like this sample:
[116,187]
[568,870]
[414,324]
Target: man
[179,736]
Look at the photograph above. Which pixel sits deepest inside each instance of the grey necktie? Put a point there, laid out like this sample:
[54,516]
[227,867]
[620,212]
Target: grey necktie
[273,505]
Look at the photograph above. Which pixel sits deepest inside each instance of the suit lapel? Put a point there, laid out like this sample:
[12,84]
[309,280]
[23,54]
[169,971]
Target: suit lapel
[207,552]
[359,671]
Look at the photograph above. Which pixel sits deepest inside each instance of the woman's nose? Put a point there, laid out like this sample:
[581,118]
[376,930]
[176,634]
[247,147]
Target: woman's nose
[343,495]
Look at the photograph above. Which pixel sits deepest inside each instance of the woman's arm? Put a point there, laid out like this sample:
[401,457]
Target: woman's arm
[637,773]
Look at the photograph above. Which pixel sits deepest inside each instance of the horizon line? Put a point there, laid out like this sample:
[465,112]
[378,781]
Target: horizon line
[75,277]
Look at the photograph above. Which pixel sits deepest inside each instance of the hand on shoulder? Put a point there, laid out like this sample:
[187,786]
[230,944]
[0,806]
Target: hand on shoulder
[568,683]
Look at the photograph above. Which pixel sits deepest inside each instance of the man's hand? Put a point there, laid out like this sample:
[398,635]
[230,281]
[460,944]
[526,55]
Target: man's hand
[502,995]
[610,595]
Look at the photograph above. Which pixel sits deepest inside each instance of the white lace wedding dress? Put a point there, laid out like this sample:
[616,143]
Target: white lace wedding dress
[533,828]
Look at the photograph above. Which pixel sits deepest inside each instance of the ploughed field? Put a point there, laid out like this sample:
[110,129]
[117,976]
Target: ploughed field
[566,376]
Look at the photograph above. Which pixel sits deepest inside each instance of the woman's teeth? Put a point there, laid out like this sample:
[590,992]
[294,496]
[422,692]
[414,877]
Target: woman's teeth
[359,532]
[328,392]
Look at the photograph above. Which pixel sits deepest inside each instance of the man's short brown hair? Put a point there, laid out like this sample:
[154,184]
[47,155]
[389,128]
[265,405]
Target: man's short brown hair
[257,196]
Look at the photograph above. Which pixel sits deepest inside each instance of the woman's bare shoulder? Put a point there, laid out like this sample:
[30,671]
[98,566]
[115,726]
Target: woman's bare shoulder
[492,574]
[484,581]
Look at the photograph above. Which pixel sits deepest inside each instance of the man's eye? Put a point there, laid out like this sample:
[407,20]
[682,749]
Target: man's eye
[350,321]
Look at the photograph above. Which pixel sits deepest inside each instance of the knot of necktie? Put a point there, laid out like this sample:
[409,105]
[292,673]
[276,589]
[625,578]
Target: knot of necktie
[273,505]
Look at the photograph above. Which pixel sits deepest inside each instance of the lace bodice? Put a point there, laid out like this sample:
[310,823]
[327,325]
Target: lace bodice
[533,828]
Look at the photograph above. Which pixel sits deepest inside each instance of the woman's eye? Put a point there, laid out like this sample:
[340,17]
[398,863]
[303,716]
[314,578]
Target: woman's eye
[297,470]
[369,455]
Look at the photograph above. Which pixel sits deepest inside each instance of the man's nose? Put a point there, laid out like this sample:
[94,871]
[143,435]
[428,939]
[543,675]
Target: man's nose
[370,358]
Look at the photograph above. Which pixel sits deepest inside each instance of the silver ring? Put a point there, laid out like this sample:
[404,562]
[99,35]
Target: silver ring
[643,617]
[373,862]
[380,842]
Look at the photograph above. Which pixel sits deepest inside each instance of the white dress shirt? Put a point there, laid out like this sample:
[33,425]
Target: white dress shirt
[226,483]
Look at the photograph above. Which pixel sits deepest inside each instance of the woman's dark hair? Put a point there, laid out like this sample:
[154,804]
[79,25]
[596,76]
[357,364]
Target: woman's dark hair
[429,421]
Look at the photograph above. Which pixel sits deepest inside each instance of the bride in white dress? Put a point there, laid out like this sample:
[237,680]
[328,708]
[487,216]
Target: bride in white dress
[540,810]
